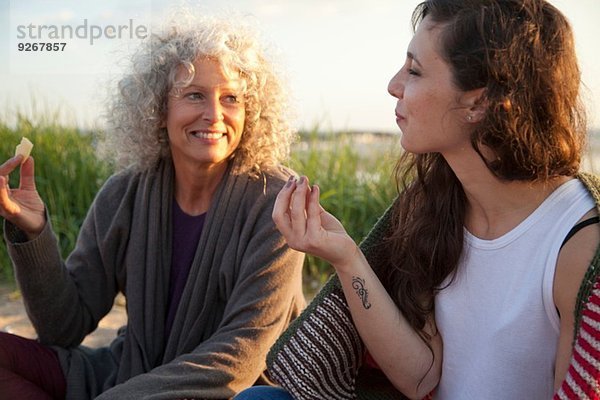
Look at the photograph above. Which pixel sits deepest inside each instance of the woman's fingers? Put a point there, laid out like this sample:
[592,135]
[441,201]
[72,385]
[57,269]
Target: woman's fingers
[27,180]
[7,206]
[306,226]
[10,165]
[313,213]
[281,208]
[298,207]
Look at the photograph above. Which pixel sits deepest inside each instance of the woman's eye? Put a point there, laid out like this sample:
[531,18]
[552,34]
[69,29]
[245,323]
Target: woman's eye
[231,99]
[194,96]
[412,71]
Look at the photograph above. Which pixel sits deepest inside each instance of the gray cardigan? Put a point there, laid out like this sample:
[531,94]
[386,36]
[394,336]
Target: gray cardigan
[243,289]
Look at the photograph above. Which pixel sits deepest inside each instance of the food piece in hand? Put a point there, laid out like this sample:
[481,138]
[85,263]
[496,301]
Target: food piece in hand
[24,148]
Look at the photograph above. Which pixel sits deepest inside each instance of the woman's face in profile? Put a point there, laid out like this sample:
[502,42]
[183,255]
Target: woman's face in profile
[428,110]
[205,119]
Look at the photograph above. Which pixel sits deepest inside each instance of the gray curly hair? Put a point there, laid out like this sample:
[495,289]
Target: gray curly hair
[136,136]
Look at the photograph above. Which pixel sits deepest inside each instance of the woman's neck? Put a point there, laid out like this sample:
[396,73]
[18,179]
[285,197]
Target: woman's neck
[495,206]
[195,188]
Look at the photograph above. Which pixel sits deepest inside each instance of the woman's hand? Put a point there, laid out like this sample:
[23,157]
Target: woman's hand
[307,227]
[23,207]
[412,365]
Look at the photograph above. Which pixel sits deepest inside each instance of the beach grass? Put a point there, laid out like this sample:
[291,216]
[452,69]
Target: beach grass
[68,175]
[352,170]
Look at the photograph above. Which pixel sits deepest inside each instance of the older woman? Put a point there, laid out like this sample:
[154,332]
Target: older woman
[184,230]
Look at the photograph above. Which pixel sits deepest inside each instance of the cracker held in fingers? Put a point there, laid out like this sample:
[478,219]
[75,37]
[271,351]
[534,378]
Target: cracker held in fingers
[24,148]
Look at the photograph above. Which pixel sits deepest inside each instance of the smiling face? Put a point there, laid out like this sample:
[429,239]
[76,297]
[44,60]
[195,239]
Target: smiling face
[431,111]
[205,119]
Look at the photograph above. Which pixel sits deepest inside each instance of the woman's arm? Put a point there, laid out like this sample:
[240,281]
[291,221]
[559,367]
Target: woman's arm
[573,261]
[66,300]
[405,359]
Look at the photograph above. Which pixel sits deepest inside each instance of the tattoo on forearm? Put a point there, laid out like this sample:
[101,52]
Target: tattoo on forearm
[359,285]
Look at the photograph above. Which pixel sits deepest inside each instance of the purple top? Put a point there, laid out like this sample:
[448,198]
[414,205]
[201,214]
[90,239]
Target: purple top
[186,234]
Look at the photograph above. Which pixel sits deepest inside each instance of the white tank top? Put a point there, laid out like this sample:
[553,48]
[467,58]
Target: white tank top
[498,321]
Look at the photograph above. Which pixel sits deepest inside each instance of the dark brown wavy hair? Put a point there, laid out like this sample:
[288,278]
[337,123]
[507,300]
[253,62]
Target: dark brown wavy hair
[522,52]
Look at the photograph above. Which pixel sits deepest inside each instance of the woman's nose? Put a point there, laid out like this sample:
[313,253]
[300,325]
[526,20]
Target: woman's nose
[213,111]
[396,86]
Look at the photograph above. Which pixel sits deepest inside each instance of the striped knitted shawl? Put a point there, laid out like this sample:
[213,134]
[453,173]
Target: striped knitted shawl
[320,355]
[582,381]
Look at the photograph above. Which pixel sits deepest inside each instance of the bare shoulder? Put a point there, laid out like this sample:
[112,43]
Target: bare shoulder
[574,259]
[573,262]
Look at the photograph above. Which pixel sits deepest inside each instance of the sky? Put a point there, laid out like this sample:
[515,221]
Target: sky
[338,55]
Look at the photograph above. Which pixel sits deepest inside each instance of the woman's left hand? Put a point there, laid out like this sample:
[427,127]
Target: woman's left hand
[307,227]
